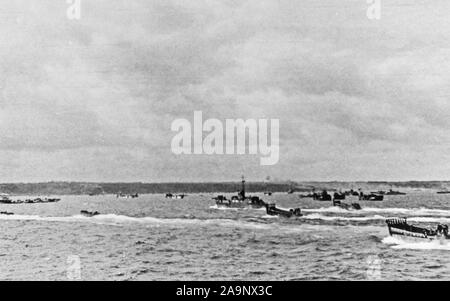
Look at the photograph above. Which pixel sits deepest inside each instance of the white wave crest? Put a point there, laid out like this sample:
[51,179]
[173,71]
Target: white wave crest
[399,243]
[405,211]
[343,218]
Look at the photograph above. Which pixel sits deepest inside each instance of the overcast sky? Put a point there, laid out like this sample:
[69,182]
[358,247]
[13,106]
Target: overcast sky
[93,99]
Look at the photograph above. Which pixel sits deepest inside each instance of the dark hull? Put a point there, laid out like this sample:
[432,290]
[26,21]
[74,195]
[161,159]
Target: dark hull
[371,198]
[257,204]
[29,201]
[272,210]
[89,213]
[322,198]
[400,227]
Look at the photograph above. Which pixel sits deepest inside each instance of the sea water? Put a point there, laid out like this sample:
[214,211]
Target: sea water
[154,238]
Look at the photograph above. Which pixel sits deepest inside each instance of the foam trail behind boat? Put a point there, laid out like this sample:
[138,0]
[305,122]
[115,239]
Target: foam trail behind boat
[365,210]
[399,243]
[118,220]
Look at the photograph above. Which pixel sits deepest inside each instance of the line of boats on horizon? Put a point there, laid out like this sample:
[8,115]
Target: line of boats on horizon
[5,199]
[396,226]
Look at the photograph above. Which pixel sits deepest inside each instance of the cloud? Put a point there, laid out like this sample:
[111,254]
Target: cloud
[94,98]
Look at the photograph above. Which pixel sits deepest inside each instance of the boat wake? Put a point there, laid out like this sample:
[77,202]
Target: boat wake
[399,243]
[215,207]
[123,220]
[417,219]
[262,222]
[404,211]
[316,216]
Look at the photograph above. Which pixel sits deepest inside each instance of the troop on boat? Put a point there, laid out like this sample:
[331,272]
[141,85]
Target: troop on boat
[400,227]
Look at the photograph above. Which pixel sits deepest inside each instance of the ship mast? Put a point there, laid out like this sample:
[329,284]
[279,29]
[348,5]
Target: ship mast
[243,187]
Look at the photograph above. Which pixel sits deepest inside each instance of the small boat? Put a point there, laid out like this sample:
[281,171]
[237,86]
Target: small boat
[4,199]
[324,196]
[351,192]
[7,200]
[392,192]
[400,227]
[126,196]
[339,196]
[352,206]
[267,192]
[256,202]
[444,192]
[52,200]
[382,192]
[371,197]
[89,213]
[6,213]
[175,196]
[271,209]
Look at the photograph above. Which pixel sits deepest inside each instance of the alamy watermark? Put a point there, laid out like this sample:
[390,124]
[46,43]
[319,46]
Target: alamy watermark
[190,139]
[73,268]
[74,10]
[374,9]
[373,271]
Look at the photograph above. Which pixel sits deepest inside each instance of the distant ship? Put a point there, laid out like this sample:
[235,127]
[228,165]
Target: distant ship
[392,192]
[241,200]
[175,196]
[5,199]
[127,196]
[445,191]
[89,213]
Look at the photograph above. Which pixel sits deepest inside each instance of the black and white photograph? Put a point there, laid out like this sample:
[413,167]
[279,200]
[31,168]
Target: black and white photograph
[224,140]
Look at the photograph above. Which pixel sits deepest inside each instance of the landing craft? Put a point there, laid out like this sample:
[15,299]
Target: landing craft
[324,196]
[370,197]
[89,213]
[271,209]
[400,227]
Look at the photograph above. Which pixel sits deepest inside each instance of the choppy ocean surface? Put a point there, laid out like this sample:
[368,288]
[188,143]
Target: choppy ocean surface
[153,238]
